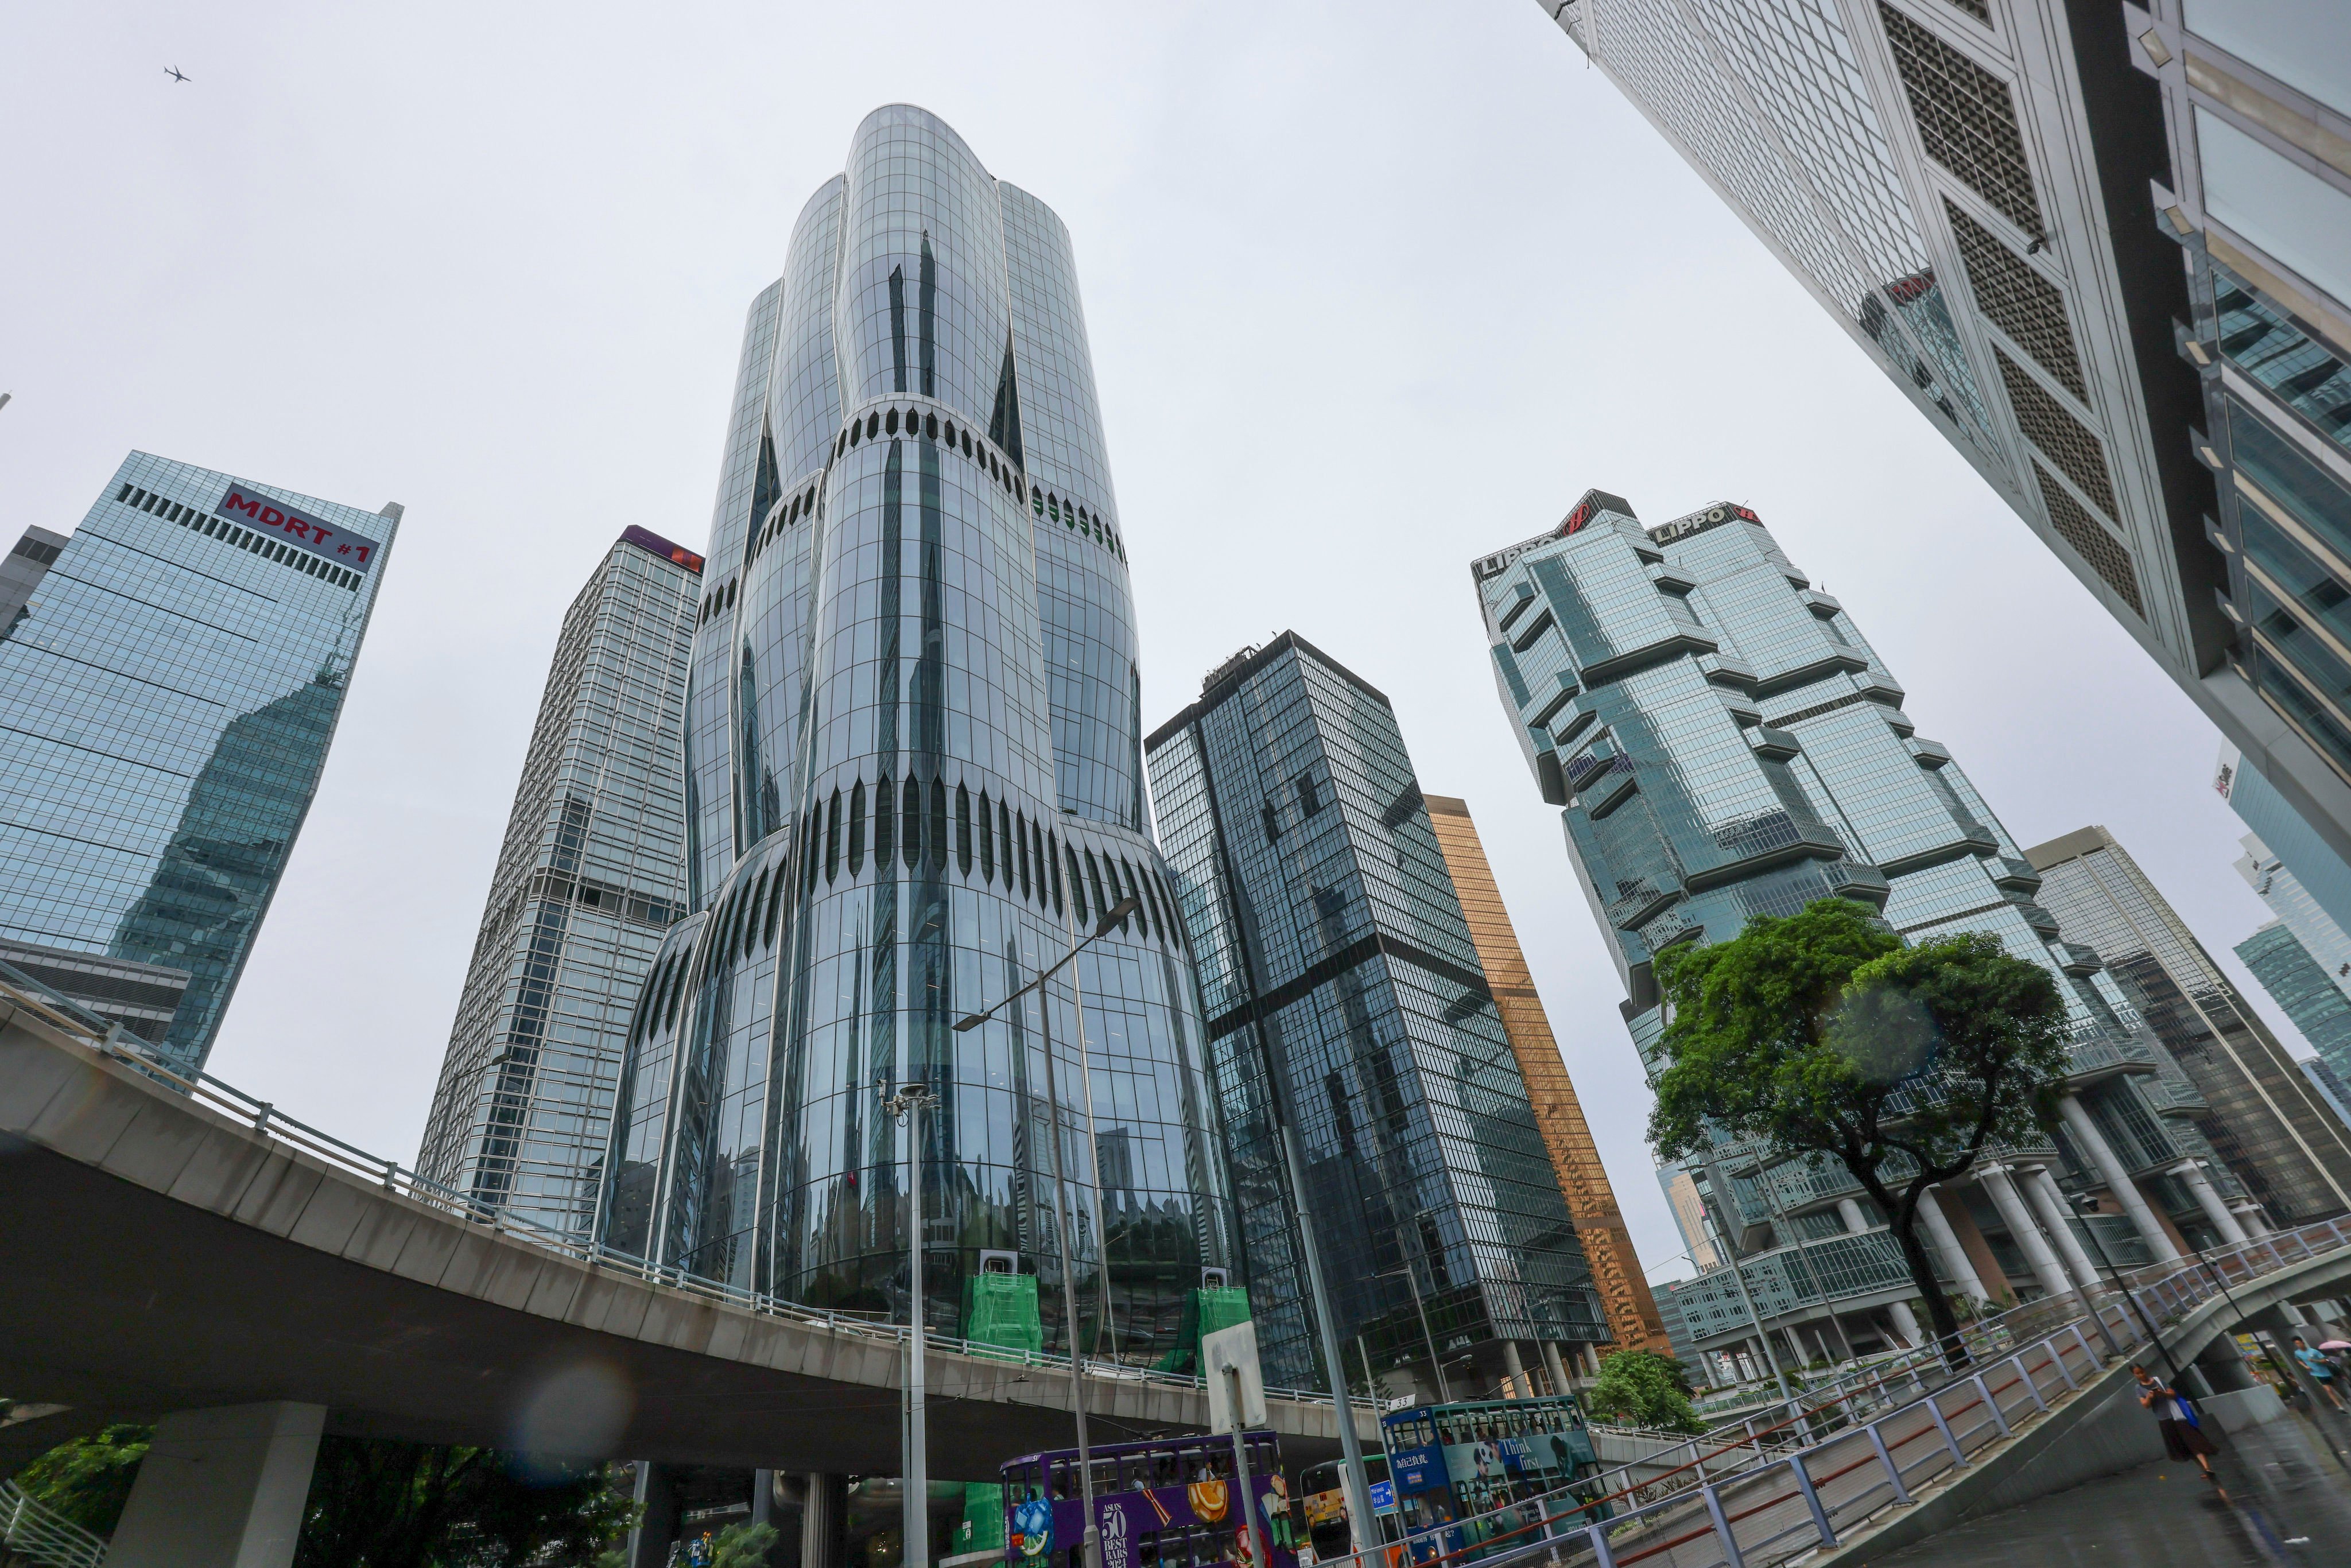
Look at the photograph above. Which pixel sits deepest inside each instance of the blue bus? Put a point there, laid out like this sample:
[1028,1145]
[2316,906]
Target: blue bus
[1165,1503]
[1449,1464]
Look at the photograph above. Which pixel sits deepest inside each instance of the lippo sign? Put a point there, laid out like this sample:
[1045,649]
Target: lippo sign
[275,519]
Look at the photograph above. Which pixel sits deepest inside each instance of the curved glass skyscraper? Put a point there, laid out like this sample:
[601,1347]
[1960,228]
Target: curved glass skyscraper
[913,765]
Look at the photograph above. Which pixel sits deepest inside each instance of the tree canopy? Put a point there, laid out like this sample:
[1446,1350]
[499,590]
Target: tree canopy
[1645,1389]
[1821,1033]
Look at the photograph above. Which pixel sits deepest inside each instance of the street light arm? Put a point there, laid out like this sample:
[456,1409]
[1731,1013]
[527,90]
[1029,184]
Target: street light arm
[1103,927]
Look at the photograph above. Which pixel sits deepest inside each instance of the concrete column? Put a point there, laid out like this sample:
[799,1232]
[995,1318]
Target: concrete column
[763,1497]
[824,1517]
[1905,1324]
[2049,1202]
[223,1488]
[2249,1215]
[2200,1186]
[2028,1235]
[1947,1242]
[1517,1382]
[2092,1142]
[1551,1364]
[649,1543]
[1850,1212]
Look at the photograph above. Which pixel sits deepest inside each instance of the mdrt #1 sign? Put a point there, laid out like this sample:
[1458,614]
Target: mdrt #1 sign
[273,518]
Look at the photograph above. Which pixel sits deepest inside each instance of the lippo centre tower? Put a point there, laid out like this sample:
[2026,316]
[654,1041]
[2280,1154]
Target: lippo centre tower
[1721,744]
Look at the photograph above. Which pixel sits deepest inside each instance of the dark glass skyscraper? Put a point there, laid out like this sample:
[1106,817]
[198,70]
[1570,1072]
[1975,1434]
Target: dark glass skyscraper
[914,771]
[589,879]
[1346,1000]
[171,686]
[2265,1119]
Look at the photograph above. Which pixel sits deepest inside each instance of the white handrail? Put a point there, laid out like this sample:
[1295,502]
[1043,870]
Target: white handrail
[30,1528]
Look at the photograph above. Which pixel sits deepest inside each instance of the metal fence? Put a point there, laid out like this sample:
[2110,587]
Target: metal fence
[36,1531]
[1800,1477]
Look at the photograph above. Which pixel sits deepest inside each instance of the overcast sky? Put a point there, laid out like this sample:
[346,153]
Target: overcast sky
[1374,287]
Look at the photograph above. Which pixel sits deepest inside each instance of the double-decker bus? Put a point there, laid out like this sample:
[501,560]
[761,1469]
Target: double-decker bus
[1451,1464]
[1165,1503]
[1322,1492]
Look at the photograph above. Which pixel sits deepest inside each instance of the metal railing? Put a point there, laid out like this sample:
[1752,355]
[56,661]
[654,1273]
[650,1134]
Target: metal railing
[393,1177]
[33,1530]
[1770,1491]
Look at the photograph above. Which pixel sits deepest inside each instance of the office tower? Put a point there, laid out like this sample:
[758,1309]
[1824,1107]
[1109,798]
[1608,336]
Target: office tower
[1723,743]
[2306,992]
[2314,929]
[2265,1121]
[173,683]
[21,571]
[2321,880]
[2104,257]
[2330,1085]
[913,775]
[1347,1004]
[1600,1226]
[589,879]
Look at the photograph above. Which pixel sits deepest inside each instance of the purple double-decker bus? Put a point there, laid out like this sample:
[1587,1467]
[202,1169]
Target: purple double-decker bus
[1166,1502]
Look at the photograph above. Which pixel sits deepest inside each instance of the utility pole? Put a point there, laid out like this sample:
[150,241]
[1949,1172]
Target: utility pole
[1102,927]
[1358,1484]
[906,1107]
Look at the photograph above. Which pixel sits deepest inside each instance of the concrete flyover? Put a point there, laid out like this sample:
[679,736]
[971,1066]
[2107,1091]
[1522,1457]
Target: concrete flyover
[166,1257]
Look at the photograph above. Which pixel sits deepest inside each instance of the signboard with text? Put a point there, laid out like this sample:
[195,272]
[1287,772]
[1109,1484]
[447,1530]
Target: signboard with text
[274,519]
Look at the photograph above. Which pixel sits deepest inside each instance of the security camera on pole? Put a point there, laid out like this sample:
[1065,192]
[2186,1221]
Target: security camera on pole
[1236,1403]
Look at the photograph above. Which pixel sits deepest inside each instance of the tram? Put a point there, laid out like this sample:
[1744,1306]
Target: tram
[1322,1491]
[1470,1472]
[1165,1503]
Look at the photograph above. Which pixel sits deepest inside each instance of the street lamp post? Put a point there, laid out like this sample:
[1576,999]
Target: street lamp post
[2089,1206]
[1102,927]
[1435,1362]
[1739,1272]
[906,1106]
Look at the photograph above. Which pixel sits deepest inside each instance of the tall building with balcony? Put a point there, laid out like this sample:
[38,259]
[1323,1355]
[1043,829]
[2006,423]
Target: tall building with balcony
[172,673]
[2262,1115]
[2101,246]
[1723,743]
[913,774]
[1349,1010]
[590,878]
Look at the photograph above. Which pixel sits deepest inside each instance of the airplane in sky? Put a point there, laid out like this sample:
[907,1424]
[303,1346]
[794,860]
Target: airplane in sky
[173,72]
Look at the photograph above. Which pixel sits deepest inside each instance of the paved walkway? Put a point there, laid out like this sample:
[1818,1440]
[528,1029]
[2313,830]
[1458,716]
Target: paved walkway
[2288,1500]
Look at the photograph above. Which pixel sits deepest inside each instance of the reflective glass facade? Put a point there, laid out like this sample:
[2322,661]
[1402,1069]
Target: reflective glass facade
[1345,998]
[2307,990]
[1724,743]
[589,879]
[167,697]
[2102,248]
[911,752]
[2264,1119]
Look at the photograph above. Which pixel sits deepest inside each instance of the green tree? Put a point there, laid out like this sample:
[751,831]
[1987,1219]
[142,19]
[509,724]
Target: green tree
[377,1505]
[1821,1034]
[89,1479]
[1645,1389]
[744,1546]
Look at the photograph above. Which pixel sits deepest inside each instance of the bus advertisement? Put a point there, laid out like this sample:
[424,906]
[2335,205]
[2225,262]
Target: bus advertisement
[1451,1463]
[1161,1503]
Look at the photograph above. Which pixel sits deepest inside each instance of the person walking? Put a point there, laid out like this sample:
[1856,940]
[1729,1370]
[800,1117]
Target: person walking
[2183,1438]
[2321,1370]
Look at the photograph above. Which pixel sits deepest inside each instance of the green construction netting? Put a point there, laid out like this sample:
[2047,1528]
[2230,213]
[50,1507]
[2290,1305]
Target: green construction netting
[1205,1311]
[1002,1309]
[983,1519]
